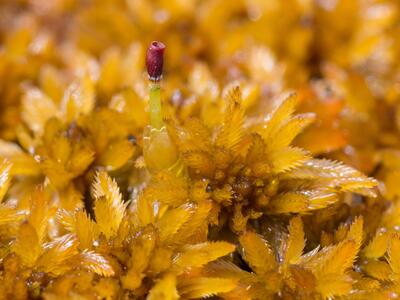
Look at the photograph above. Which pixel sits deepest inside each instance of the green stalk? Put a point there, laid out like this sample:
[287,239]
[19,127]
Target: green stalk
[156,120]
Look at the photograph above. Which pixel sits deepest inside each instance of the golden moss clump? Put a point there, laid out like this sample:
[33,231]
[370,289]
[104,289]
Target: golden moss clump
[265,164]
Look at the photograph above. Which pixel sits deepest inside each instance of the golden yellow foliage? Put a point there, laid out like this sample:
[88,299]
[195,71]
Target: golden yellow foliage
[261,161]
[377,246]
[164,289]
[108,208]
[295,242]
[204,287]
[200,254]
[257,252]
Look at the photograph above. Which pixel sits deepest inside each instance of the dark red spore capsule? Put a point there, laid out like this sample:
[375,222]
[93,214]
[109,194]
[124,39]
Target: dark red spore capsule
[155,60]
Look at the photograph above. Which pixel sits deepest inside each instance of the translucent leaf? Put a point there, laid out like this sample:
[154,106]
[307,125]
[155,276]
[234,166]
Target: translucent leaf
[331,285]
[289,130]
[320,198]
[312,256]
[257,252]
[167,188]
[65,160]
[109,73]
[200,162]
[334,259]
[201,254]
[256,151]
[67,219]
[287,159]
[57,174]
[232,127]
[52,82]
[278,117]
[131,105]
[302,278]
[193,136]
[5,167]
[356,231]
[37,108]
[61,149]
[377,269]
[144,209]
[196,228]
[79,223]
[377,246]
[116,154]
[394,253]
[336,174]
[226,269]
[80,160]
[25,165]
[204,287]
[9,215]
[288,203]
[164,289]
[22,163]
[41,212]
[86,230]
[79,98]
[96,263]
[341,232]
[58,254]
[109,207]
[172,221]
[248,285]
[295,243]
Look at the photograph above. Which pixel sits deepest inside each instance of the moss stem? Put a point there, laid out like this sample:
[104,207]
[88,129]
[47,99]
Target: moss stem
[156,120]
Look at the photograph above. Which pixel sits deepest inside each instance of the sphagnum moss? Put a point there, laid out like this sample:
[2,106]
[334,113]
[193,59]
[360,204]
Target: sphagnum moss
[213,181]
